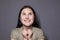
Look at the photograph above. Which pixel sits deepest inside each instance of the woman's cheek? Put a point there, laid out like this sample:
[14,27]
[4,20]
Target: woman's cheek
[32,18]
[22,17]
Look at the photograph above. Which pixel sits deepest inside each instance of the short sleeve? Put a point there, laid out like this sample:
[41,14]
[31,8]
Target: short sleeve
[14,34]
[40,35]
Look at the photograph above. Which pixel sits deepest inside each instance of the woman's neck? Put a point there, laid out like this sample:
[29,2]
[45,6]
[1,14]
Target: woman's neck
[27,27]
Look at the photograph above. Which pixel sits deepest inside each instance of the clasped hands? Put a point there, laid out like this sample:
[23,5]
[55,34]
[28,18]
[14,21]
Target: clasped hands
[27,34]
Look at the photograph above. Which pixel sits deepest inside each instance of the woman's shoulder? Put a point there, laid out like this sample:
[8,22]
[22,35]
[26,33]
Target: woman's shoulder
[16,29]
[37,29]
[39,33]
[15,32]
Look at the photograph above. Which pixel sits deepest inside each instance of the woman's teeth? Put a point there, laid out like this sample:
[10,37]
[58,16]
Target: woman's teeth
[27,20]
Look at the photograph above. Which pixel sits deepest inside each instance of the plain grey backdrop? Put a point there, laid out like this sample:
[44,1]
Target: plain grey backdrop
[48,12]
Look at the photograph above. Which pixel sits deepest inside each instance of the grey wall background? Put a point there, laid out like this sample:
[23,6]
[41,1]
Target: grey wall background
[48,11]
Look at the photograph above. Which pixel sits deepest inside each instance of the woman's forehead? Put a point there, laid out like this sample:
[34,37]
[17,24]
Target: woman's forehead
[27,10]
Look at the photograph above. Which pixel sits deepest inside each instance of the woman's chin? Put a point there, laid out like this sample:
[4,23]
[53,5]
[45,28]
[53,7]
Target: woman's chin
[27,25]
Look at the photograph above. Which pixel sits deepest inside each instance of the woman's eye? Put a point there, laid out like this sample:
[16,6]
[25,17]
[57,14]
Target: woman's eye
[30,13]
[23,14]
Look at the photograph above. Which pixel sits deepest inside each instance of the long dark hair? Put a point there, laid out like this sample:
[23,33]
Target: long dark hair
[35,23]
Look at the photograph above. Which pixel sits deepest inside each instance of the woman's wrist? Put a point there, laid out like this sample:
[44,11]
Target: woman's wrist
[30,39]
[27,38]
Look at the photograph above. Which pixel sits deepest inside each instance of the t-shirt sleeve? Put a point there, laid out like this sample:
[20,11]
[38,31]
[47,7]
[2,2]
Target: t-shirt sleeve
[40,35]
[14,34]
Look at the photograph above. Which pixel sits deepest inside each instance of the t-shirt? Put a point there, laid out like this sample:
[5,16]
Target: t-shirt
[16,34]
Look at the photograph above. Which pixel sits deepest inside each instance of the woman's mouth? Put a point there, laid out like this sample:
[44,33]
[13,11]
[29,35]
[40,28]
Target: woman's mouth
[27,20]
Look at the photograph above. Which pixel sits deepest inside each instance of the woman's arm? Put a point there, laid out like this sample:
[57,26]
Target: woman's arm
[12,39]
[41,35]
[14,35]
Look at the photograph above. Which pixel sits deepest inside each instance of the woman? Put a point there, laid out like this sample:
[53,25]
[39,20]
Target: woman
[27,27]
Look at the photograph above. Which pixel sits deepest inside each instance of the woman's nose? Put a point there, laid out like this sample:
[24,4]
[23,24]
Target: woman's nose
[27,17]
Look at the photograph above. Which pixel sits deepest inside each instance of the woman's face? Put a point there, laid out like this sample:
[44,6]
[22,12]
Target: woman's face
[27,17]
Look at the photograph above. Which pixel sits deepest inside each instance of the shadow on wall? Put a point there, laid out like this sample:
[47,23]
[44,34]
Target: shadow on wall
[46,38]
[39,24]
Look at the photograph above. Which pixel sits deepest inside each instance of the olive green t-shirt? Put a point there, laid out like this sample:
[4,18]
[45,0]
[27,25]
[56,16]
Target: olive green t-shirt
[16,34]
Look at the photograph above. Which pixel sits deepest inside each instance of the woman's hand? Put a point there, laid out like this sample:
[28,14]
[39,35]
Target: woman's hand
[27,34]
[30,33]
[27,39]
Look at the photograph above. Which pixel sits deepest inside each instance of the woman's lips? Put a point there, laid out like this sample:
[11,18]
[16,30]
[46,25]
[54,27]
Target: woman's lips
[27,20]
